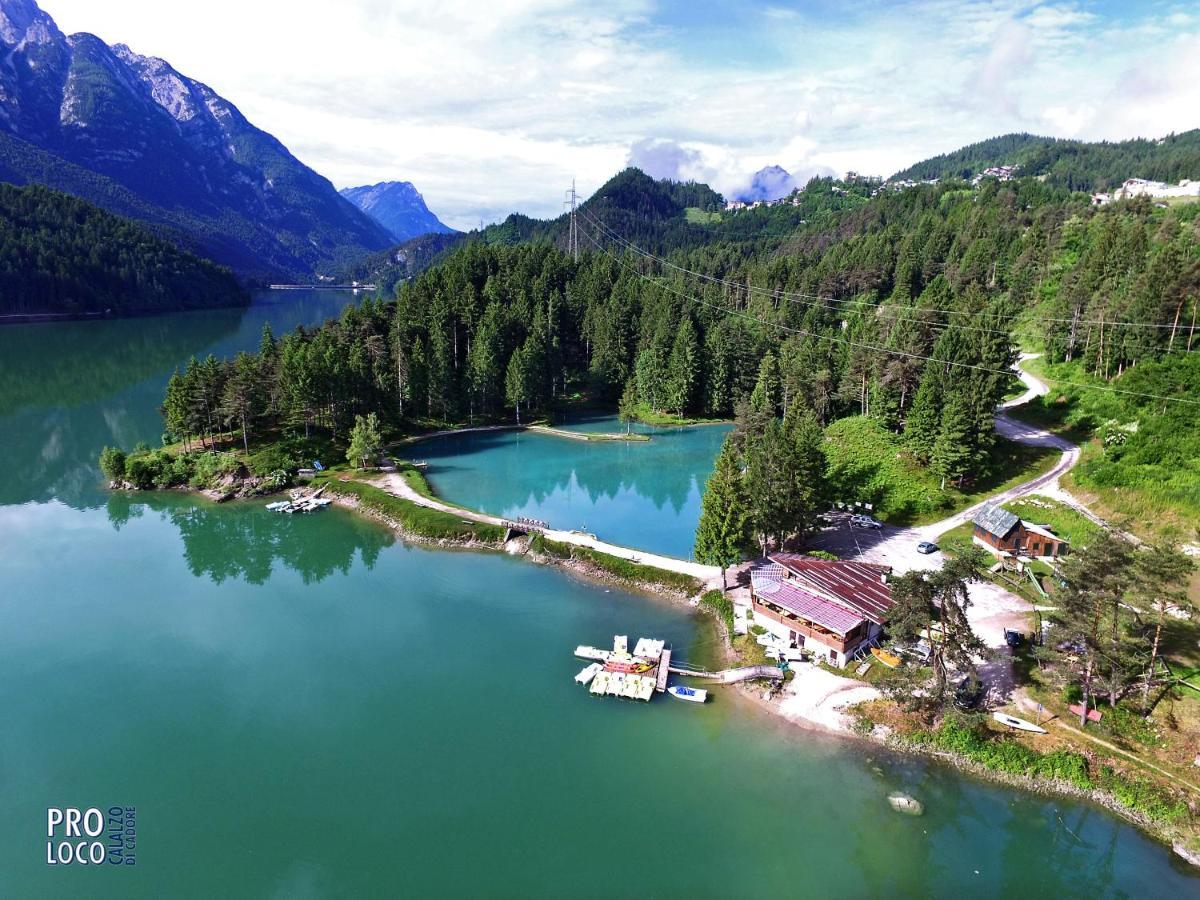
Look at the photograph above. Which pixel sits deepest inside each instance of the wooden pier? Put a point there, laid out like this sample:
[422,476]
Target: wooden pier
[664,669]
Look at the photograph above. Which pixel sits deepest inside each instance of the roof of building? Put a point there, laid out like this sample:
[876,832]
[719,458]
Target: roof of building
[996,520]
[859,586]
[769,585]
[1040,529]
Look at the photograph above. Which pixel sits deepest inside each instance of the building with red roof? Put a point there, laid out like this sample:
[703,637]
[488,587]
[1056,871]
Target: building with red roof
[833,608]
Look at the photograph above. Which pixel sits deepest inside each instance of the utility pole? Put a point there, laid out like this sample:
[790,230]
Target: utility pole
[573,234]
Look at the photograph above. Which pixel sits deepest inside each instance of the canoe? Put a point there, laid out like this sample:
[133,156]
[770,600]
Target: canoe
[1019,724]
[692,695]
[891,660]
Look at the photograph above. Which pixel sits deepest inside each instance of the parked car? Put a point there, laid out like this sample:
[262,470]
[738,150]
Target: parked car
[969,693]
[927,547]
[1014,639]
[864,522]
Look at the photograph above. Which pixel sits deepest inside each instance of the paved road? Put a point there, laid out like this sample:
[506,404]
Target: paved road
[993,608]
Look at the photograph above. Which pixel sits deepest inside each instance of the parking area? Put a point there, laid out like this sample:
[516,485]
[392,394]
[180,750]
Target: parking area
[993,609]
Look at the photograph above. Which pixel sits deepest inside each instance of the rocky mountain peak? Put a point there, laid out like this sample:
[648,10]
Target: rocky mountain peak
[22,24]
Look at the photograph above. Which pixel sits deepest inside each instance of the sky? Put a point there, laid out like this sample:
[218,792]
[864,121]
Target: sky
[493,107]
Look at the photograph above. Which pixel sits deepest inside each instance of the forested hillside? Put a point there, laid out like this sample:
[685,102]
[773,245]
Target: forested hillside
[906,309]
[1075,165]
[59,254]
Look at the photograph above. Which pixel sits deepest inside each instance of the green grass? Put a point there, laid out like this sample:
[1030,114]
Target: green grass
[869,463]
[1140,463]
[648,416]
[419,520]
[696,216]
[618,567]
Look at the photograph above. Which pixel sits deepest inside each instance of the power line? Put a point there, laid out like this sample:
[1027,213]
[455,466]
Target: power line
[801,295]
[573,234]
[1008,373]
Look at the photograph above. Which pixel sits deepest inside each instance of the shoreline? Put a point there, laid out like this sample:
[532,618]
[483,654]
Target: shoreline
[880,737]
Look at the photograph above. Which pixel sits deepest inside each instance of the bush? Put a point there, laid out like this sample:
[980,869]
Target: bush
[156,469]
[275,458]
[1125,723]
[1143,796]
[722,607]
[209,467]
[112,463]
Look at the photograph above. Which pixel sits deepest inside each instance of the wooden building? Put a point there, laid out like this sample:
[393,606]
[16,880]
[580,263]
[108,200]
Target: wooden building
[830,607]
[1002,531]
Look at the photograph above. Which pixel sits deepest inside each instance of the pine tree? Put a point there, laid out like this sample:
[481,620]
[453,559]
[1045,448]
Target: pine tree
[651,378]
[809,467]
[683,368]
[953,454]
[516,381]
[627,406]
[724,530]
[244,395]
[933,606]
[366,443]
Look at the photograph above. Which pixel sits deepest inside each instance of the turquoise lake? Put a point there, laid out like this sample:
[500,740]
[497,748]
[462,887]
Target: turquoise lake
[306,707]
[633,493]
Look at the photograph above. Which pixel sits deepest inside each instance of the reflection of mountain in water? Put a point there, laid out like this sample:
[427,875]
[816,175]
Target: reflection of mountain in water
[70,388]
[72,363]
[242,541]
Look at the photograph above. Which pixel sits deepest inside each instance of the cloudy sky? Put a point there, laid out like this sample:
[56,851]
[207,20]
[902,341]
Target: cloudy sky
[491,107]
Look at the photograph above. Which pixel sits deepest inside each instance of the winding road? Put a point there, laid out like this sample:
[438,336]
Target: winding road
[993,608]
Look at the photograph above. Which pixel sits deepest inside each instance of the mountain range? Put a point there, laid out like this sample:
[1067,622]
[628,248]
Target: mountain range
[398,207]
[138,138]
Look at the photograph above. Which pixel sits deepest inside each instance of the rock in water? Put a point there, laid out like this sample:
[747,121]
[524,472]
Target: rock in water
[903,803]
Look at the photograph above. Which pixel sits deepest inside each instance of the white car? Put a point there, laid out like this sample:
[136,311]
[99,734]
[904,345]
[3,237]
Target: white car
[864,522]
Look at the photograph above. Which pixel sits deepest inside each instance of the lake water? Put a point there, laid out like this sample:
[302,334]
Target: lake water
[632,493]
[305,707]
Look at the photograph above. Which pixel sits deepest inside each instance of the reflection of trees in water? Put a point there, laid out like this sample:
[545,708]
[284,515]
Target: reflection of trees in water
[245,542]
[70,388]
[519,466]
[71,363]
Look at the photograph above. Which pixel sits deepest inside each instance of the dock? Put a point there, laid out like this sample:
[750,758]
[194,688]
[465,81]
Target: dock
[644,672]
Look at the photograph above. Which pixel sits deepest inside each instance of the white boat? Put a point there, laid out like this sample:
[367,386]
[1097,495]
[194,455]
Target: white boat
[586,676]
[585,652]
[682,692]
[278,505]
[1019,724]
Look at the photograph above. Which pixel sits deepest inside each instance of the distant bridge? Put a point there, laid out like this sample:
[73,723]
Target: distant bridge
[322,287]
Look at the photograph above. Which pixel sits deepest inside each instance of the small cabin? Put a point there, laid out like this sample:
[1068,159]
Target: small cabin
[1002,531]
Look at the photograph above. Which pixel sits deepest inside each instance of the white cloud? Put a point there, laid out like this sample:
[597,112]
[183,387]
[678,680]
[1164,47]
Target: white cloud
[492,108]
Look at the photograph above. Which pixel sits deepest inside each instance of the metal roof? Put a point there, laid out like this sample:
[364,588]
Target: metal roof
[794,599]
[996,520]
[860,586]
